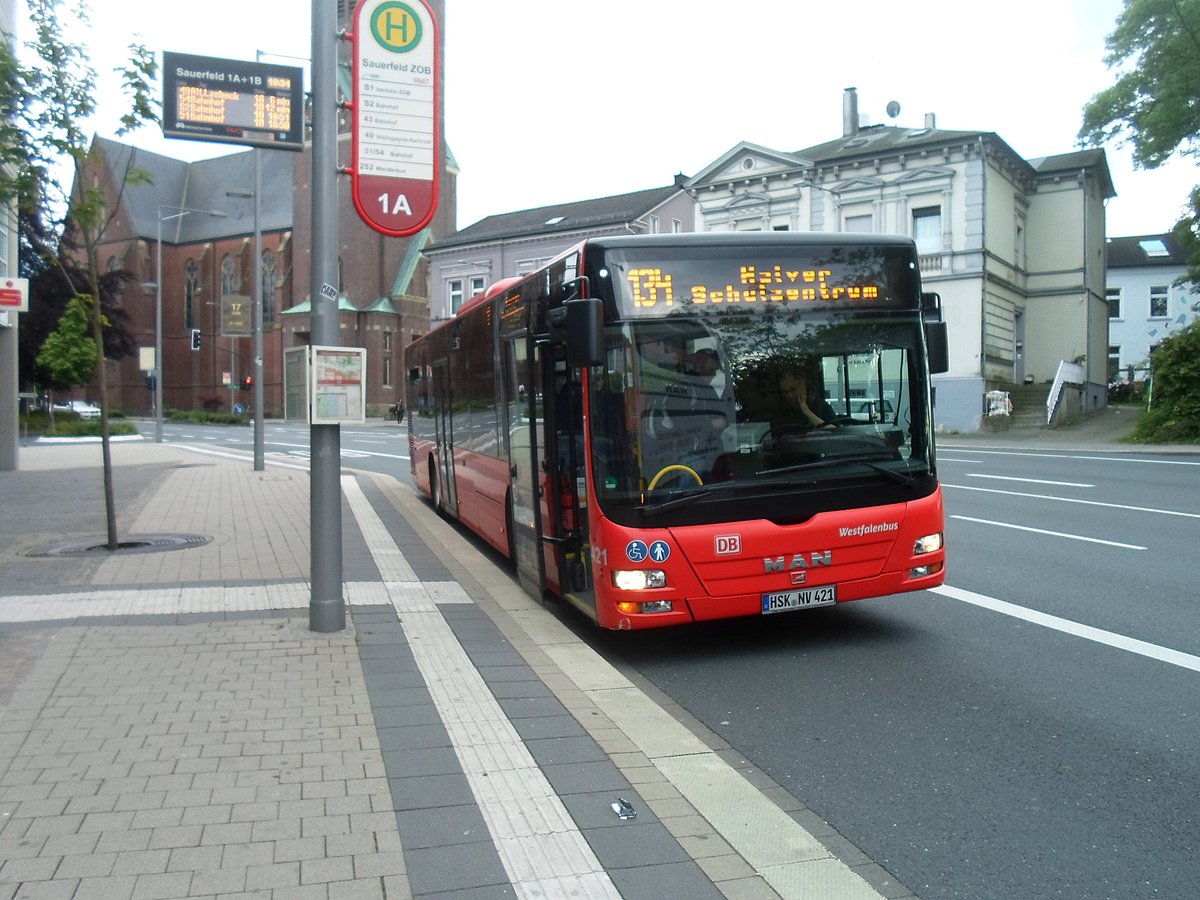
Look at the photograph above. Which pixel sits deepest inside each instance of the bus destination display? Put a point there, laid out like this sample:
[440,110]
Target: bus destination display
[656,289]
[227,100]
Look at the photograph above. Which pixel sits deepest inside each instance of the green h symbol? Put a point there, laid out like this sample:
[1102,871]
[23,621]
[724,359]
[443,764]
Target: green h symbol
[391,26]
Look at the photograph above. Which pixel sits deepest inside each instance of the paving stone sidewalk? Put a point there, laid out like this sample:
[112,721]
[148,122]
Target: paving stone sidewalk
[170,727]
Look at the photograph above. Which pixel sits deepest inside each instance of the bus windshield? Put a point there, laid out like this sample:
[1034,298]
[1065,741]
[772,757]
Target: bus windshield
[737,376]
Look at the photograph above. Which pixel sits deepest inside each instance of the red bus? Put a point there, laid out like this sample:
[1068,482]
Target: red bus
[672,428]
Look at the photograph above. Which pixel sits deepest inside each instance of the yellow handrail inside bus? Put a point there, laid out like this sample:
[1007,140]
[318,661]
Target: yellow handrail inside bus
[675,467]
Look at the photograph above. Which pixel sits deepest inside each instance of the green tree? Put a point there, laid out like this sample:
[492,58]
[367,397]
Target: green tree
[46,107]
[1154,104]
[1174,411]
[69,353]
[50,290]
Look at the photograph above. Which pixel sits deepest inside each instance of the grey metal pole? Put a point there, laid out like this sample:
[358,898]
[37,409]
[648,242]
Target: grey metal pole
[158,329]
[256,318]
[10,382]
[326,608]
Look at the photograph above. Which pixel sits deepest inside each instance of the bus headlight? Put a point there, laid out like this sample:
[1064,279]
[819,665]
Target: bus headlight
[638,579]
[928,544]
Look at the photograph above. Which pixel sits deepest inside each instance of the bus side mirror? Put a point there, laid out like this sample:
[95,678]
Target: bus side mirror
[938,345]
[585,332]
[931,306]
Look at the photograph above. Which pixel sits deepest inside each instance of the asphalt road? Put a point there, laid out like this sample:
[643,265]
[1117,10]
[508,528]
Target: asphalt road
[985,751]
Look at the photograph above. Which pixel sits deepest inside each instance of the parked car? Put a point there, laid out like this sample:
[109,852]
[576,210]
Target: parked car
[82,408]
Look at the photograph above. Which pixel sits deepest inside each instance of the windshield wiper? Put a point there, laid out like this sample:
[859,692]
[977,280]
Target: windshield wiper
[829,462]
[654,509]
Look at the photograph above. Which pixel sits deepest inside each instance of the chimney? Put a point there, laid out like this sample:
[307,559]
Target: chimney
[680,180]
[930,121]
[850,112]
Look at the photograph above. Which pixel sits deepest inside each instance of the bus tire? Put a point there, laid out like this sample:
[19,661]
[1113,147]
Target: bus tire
[508,528]
[435,487]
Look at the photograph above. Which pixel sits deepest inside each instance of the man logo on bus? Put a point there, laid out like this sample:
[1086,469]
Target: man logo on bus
[781,564]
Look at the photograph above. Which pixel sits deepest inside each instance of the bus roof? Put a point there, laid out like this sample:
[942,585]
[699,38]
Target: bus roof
[770,238]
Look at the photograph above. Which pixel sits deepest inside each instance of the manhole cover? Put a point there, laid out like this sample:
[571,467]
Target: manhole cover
[130,543]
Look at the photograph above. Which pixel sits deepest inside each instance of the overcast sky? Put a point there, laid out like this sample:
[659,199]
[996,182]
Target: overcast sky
[550,101]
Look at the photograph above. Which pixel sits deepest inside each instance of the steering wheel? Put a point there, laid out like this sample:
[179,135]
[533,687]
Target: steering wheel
[674,467]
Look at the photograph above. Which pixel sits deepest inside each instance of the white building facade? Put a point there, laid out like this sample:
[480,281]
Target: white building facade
[1148,300]
[514,244]
[1014,247]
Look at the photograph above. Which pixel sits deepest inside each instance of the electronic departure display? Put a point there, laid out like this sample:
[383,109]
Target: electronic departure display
[652,287]
[232,101]
[833,277]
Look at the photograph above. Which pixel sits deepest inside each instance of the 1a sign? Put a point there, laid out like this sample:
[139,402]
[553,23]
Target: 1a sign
[397,103]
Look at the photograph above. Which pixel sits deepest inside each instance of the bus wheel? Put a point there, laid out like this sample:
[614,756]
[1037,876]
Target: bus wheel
[508,526]
[435,487]
[674,467]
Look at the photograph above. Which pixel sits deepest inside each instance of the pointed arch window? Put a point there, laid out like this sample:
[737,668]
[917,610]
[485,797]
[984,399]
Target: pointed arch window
[228,275]
[269,277]
[191,287]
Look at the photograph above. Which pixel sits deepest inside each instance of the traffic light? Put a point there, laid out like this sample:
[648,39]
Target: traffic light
[195,338]
[247,382]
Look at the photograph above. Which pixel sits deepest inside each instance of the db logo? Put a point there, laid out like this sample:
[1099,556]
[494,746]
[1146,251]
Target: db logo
[728,544]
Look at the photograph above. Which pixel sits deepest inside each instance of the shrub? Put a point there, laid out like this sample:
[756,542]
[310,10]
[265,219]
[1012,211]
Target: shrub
[206,417]
[1174,413]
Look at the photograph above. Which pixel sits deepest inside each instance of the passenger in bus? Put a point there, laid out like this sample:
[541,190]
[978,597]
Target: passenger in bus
[684,419]
[711,398]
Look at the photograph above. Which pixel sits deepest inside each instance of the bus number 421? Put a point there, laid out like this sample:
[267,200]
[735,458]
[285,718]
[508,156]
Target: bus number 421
[399,206]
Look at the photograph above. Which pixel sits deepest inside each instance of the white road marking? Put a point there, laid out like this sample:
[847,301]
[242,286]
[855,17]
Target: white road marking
[1145,509]
[1063,455]
[1087,632]
[1031,480]
[1061,534]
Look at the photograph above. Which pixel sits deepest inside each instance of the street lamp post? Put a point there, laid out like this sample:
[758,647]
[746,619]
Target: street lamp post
[180,212]
[256,312]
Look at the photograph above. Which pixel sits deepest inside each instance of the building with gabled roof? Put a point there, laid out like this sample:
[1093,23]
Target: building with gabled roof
[208,264]
[203,214]
[1014,247]
[1149,299]
[462,265]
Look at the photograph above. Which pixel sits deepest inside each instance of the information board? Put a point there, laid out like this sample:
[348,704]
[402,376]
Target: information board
[397,139]
[252,103]
[235,315]
[338,385]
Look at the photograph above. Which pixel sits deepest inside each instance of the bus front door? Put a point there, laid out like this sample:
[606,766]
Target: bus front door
[441,483]
[526,457]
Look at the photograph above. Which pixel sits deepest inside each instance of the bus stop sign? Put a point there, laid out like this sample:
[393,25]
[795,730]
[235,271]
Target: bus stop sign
[396,115]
